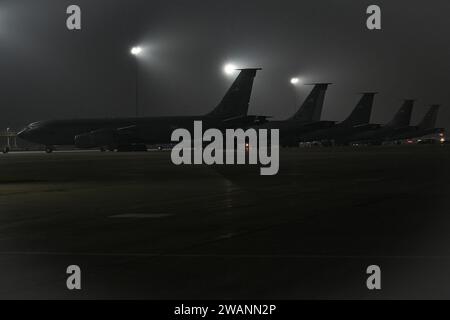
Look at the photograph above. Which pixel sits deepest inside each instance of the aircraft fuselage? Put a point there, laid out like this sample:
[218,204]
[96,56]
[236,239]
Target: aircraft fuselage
[145,130]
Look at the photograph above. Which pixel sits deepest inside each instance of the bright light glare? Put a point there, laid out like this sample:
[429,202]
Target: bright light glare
[295,80]
[229,69]
[136,51]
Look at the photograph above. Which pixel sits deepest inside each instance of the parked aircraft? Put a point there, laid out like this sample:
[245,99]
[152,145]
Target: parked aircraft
[425,127]
[135,133]
[398,125]
[357,121]
[306,119]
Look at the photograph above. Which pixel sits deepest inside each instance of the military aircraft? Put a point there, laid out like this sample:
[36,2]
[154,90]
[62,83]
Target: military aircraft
[357,121]
[306,119]
[398,125]
[425,127]
[132,134]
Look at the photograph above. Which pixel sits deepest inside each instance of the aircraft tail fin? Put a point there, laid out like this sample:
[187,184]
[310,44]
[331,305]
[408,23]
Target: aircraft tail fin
[311,109]
[403,116]
[429,120]
[361,113]
[235,103]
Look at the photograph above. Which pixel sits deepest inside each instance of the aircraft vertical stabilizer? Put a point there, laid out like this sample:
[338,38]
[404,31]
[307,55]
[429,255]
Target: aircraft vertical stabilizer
[235,103]
[311,109]
[362,111]
[429,120]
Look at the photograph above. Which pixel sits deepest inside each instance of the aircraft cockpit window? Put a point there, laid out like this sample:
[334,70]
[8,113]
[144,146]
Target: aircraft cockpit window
[34,125]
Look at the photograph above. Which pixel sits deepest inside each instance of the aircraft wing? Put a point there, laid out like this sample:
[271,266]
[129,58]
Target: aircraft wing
[367,126]
[245,120]
[104,137]
[319,124]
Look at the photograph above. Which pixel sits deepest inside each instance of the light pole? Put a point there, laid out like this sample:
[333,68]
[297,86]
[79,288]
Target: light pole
[136,51]
[7,138]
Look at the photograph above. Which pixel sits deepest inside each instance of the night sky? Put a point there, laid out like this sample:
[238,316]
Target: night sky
[49,72]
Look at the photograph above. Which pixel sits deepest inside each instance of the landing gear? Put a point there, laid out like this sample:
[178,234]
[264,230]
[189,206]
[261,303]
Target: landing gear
[5,150]
[49,149]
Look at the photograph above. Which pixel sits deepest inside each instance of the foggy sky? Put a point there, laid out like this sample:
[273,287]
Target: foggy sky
[48,72]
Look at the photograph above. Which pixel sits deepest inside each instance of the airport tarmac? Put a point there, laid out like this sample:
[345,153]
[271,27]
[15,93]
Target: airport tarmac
[140,227]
